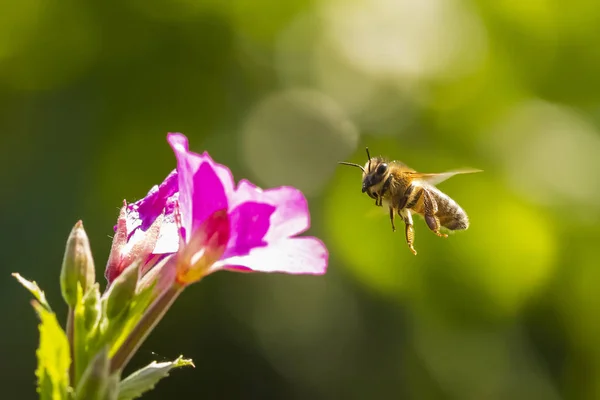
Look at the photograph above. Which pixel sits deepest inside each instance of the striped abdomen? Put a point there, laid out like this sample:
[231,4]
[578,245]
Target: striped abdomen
[450,214]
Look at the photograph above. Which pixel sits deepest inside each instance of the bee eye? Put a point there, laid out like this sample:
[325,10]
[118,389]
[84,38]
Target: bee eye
[382,168]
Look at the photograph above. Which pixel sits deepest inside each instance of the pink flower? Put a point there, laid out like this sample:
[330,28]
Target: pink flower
[199,214]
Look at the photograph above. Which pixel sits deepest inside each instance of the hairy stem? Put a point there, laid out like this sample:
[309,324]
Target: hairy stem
[143,328]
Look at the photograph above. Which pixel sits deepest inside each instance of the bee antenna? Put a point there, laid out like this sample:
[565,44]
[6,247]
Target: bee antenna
[352,165]
[368,157]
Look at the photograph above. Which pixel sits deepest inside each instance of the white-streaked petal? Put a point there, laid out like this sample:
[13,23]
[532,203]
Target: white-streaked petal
[301,255]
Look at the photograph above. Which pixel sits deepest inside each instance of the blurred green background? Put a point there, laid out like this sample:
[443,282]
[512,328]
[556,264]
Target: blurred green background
[280,91]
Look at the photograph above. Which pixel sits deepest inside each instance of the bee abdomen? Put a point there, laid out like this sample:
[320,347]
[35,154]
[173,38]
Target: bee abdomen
[455,223]
[450,214]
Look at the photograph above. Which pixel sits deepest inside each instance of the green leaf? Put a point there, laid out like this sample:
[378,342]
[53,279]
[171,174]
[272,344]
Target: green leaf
[53,356]
[34,289]
[113,330]
[87,317]
[144,380]
[138,307]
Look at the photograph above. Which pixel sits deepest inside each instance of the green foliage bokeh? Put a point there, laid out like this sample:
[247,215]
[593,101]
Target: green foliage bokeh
[279,92]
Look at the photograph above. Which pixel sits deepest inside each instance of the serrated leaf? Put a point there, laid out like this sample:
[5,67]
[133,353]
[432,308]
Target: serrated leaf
[53,357]
[34,289]
[145,379]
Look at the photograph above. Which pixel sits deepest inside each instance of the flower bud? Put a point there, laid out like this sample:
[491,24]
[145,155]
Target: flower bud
[119,242]
[122,291]
[128,247]
[94,381]
[78,265]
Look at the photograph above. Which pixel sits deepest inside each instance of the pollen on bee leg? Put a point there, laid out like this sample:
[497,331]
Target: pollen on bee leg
[410,237]
[409,231]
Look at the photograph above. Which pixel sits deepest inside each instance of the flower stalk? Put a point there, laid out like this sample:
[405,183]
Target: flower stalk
[71,340]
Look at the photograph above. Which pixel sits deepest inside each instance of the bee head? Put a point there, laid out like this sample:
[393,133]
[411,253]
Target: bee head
[374,173]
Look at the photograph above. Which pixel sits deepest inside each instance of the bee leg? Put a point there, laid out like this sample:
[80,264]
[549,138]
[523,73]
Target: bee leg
[405,197]
[386,186]
[408,229]
[429,213]
[392,219]
[377,197]
[410,237]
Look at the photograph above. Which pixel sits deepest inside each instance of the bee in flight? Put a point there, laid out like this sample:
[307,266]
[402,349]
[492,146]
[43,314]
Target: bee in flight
[406,191]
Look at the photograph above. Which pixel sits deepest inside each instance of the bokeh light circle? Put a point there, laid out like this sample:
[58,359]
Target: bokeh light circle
[547,153]
[296,137]
[405,38]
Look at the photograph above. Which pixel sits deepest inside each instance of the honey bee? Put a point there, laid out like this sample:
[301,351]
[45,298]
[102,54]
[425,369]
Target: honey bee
[406,191]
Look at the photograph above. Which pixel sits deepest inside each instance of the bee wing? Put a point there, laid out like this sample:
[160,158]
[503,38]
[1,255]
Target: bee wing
[435,178]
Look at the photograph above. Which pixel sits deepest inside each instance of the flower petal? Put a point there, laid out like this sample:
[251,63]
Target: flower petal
[201,192]
[250,222]
[224,173]
[291,215]
[155,201]
[301,255]
[205,247]
[168,238]
[142,213]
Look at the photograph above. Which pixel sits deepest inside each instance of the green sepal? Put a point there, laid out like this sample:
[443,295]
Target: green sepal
[94,381]
[34,289]
[115,306]
[122,291]
[137,309]
[145,379]
[92,308]
[53,357]
[113,332]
